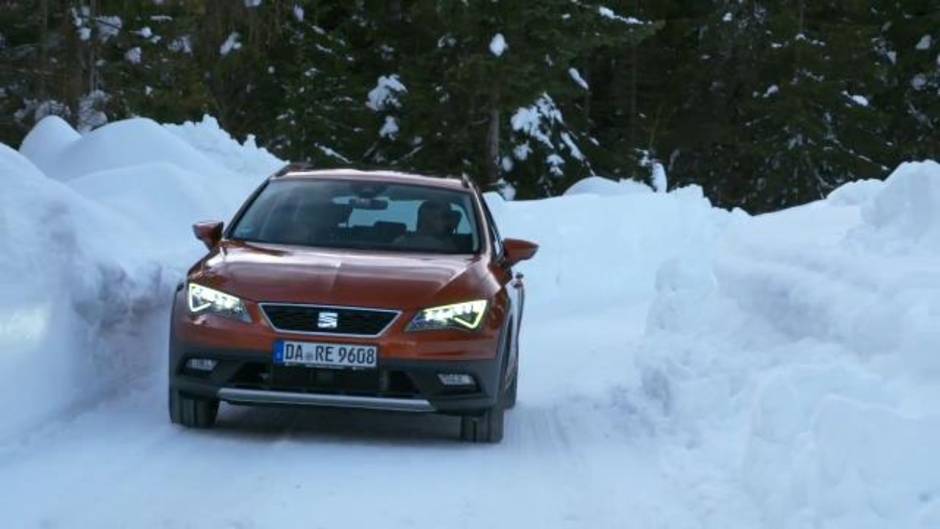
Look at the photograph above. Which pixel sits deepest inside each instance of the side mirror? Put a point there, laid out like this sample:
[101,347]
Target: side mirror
[210,233]
[517,250]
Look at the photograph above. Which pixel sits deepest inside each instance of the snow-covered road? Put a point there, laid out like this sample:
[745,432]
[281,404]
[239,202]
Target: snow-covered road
[563,463]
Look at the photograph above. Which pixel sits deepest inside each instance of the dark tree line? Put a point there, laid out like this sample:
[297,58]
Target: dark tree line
[764,103]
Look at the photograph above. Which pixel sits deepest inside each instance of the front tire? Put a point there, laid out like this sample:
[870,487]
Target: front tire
[509,399]
[192,412]
[484,428]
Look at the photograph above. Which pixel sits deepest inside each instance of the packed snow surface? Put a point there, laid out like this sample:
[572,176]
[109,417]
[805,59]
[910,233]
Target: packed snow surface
[683,366]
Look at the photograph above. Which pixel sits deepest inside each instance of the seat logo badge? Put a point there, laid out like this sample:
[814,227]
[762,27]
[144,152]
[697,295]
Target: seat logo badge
[327,320]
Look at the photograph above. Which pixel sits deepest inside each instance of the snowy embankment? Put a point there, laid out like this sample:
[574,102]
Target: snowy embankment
[93,237]
[794,356]
[780,371]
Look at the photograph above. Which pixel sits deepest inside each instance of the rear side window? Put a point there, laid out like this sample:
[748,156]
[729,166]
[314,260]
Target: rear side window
[362,215]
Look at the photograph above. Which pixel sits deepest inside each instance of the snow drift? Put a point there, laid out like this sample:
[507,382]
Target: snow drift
[94,234]
[783,368]
[790,356]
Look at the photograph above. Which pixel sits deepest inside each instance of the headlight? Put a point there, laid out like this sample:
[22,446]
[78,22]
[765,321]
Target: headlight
[206,300]
[467,316]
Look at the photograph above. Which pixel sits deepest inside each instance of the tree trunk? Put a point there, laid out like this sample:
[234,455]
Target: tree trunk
[393,10]
[492,147]
[43,48]
[93,46]
[631,125]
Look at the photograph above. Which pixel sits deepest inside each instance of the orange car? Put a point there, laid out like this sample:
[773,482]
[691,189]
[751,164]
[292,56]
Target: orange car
[352,289]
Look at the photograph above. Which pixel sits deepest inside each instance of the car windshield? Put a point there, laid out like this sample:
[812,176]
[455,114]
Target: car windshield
[361,215]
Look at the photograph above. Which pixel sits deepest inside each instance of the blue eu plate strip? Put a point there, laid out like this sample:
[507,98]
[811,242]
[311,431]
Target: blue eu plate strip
[279,352]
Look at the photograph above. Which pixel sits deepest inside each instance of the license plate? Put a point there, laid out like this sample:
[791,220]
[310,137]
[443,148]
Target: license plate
[329,355]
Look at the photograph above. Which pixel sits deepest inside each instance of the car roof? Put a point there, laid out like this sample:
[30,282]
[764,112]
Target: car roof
[289,173]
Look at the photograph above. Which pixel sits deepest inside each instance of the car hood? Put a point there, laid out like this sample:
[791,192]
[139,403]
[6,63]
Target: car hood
[268,272]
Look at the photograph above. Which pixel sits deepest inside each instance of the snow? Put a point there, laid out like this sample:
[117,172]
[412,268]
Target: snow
[859,100]
[555,163]
[64,290]
[658,177]
[904,214]
[522,151]
[389,129]
[498,45]
[331,153]
[597,185]
[505,189]
[537,120]
[855,193]
[231,43]
[133,55]
[507,164]
[90,115]
[606,12]
[446,41]
[924,43]
[211,141]
[114,146]
[576,77]
[385,95]
[683,366]
[572,146]
[95,232]
[50,136]
[108,27]
[182,44]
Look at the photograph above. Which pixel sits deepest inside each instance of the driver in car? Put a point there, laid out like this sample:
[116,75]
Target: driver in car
[436,224]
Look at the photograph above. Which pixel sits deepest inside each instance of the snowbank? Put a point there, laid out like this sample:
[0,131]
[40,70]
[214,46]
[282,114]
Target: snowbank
[14,165]
[803,357]
[95,231]
[64,296]
[904,216]
[211,140]
[791,356]
[597,185]
[606,248]
[114,146]
[46,142]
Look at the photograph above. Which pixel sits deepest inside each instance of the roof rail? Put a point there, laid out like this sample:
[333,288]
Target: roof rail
[293,167]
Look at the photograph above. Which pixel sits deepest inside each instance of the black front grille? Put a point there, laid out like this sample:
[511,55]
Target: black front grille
[363,382]
[312,318]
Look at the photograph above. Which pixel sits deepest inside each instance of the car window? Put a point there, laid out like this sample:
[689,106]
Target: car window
[361,215]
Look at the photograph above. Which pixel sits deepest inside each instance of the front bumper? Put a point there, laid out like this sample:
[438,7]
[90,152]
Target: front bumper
[406,378]
[248,377]
[262,397]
